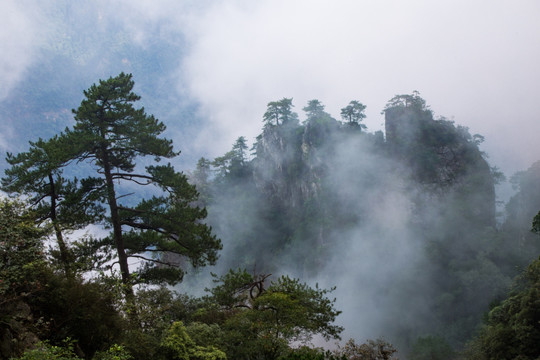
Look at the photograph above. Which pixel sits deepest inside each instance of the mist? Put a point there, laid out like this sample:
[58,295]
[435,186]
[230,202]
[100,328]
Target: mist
[219,63]
[404,226]
[208,69]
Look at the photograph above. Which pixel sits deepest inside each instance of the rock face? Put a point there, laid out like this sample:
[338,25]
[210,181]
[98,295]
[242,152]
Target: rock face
[293,161]
[311,181]
[290,170]
[279,165]
[522,207]
[15,336]
[443,157]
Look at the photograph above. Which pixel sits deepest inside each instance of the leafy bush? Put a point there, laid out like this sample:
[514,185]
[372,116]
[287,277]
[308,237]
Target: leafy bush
[179,346]
[115,352]
[45,351]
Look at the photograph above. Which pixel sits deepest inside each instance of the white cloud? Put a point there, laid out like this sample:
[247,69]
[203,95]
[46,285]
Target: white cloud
[476,62]
[6,133]
[20,32]
[473,61]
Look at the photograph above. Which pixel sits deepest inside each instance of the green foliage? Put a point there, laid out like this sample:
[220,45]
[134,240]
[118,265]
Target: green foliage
[37,302]
[179,345]
[437,151]
[84,311]
[431,348]
[308,353]
[164,229]
[111,134]
[319,127]
[115,352]
[512,329]
[234,288]
[300,309]
[370,350]
[289,187]
[536,224]
[45,351]
[111,131]
[232,166]
[260,321]
[201,178]
[413,101]
[168,224]
[22,266]
[280,113]
[21,252]
[178,342]
[157,308]
[37,174]
[315,110]
[354,114]
[205,334]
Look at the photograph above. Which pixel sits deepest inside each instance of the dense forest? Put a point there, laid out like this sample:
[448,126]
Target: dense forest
[319,231]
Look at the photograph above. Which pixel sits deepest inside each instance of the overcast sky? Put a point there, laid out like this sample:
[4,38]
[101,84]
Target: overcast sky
[476,62]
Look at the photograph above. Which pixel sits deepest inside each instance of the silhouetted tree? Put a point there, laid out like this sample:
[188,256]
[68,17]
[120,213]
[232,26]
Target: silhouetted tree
[37,174]
[280,113]
[354,114]
[110,133]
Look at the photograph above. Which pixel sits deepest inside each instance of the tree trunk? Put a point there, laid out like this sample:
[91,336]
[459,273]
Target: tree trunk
[65,257]
[117,227]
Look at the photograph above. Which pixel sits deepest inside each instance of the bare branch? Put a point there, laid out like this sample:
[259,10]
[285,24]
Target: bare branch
[128,176]
[121,196]
[153,260]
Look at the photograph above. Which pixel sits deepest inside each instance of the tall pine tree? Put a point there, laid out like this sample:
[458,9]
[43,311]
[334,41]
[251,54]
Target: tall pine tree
[111,134]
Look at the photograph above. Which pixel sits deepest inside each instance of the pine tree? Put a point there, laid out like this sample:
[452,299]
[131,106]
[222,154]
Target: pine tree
[280,113]
[55,200]
[354,114]
[111,134]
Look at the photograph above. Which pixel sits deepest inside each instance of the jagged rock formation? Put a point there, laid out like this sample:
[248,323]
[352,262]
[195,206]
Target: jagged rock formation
[293,173]
[312,189]
[441,156]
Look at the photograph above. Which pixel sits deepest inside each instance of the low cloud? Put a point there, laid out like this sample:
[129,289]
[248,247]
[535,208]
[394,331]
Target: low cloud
[473,64]
[476,66]
[20,34]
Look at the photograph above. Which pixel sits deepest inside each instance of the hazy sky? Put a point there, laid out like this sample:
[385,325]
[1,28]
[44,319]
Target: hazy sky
[476,62]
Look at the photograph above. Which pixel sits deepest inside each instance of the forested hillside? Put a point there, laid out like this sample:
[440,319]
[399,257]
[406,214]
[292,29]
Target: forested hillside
[400,229]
